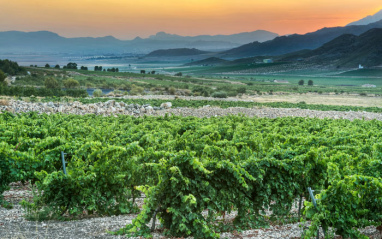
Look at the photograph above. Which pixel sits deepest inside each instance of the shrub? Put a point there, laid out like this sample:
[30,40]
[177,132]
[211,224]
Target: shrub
[220,94]
[200,90]
[118,92]
[310,82]
[51,83]
[136,90]
[97,93]
[71,83]
[301,82]
[242,90]
[172,91]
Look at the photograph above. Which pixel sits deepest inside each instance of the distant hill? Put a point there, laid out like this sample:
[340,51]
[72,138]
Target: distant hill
[16,42]
[176,52]
[287,44]
[369,19]
[240,38]
[209,61]
[49,42]
[345,51]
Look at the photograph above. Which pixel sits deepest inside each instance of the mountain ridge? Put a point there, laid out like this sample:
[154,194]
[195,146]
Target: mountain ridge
[367,20]
[347,50]
[46,41]
[287,44]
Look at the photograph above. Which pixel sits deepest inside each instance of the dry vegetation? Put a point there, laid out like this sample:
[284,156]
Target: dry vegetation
[351,100]
[4,102]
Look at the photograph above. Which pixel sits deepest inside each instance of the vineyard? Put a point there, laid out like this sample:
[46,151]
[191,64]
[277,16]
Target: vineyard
[194,170]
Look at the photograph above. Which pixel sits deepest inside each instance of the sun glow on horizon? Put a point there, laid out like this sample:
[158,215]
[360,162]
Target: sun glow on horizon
[127,19]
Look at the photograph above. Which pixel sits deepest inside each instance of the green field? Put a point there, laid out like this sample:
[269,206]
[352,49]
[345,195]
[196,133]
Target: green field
[187,165]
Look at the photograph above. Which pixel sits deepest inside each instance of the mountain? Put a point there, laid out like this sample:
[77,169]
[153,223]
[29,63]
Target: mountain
[176,52]
[240,38]
[209,61]
[49,42]
[347,50]
[16,42]
[287,44]
[369,19]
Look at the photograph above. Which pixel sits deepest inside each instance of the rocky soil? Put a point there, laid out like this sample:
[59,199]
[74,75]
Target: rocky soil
[112,107]
[14,225]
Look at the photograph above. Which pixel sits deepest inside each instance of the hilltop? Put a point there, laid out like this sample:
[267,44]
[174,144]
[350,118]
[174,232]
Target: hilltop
[176,52]
[287,44]
[345,51]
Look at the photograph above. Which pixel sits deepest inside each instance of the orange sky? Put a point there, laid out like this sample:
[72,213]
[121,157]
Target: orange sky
[126,19]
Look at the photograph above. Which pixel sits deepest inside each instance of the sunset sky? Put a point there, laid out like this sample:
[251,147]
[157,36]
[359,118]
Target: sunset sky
[126,19]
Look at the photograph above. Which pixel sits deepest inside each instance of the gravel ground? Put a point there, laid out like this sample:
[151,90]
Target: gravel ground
[270,113]
[13,224]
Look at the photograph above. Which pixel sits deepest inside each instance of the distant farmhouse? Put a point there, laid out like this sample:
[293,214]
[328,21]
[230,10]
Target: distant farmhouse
[281,81]
[369,86]
[267,61]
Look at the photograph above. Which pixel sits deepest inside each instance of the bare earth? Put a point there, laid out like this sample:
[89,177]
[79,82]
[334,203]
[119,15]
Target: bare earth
[351,100]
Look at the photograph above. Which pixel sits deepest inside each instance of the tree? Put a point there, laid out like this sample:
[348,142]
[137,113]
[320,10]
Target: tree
[301,82]
[153,72]
[310,82]
[51,83]
[179,74]
[11,67]
[2,77]
[84,68]
[57,66]
[47,65]
[71,65]
[143,72]
[71,83]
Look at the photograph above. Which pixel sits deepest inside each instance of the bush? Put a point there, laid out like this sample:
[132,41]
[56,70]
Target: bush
[97,93]
[242,90]
[2,77]
[71,83]
[136,90]
[200,90]
[172,91]
[51,83]
[301,82]
[310,82]
[179,74]
[220,94]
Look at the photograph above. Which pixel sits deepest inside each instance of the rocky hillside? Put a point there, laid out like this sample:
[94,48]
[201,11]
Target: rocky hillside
[287,44]
[346,51]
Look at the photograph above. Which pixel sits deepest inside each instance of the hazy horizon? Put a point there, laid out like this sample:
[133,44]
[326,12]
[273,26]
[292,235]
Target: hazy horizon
[125,19]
